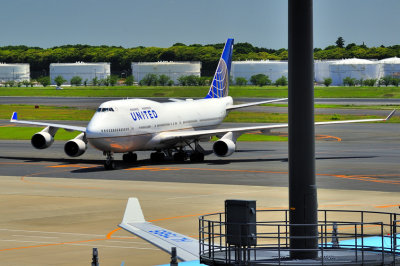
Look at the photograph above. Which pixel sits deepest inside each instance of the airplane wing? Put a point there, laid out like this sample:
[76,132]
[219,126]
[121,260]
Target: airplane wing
[14,119]
[187,248]
[233,107]
[193,134]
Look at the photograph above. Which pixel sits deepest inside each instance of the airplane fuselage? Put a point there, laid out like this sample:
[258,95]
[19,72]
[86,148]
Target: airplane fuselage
[135,124]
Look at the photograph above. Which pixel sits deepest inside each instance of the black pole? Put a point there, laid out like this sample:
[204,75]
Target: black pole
[302,190]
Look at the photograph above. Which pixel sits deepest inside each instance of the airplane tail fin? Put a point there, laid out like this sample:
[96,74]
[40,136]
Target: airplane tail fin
[220,83]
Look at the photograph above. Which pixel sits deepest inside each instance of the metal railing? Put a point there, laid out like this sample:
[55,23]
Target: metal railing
[359,236]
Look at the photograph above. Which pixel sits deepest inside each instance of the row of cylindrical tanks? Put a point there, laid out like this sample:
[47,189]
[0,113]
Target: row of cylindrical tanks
[337,70]
[90,71]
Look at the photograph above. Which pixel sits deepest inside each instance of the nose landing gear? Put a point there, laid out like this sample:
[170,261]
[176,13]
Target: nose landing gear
[109,164]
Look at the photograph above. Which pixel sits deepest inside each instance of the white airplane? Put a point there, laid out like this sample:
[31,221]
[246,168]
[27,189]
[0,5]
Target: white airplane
[129,125]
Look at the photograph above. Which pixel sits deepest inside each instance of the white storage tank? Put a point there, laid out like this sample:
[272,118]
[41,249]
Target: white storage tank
[353,68]
[390,67]
[246,69]
[87,71]
[321,70]
[173,70]
[16,72]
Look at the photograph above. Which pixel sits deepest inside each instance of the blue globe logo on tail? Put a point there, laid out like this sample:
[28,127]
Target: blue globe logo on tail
[220,84]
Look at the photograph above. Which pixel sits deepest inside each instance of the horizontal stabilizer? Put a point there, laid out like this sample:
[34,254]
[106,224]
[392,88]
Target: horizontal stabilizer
[187,248]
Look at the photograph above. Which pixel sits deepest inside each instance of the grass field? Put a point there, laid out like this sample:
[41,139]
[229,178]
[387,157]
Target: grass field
[26,133]
[188,92]
[29,112]
[346,106]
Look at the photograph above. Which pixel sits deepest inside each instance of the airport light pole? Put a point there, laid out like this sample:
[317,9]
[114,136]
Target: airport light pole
[303,206]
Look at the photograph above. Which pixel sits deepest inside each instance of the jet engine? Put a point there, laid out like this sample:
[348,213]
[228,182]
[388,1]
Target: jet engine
[42,140]
[76,147]
[224,147]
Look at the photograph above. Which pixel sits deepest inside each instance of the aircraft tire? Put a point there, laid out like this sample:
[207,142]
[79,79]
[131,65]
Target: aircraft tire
[129,157]
[179,157]
[197,157]
[157,157]
[109,165]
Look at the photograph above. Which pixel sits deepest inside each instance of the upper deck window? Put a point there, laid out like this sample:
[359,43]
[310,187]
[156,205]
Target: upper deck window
[105,109]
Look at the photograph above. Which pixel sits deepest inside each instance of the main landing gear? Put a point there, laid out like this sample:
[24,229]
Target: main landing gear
[157,157]
[196,156]
[109,164]
[129,157]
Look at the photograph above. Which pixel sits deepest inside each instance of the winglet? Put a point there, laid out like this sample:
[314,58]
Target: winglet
[187,248]
[133,212]
[390,115]
[14,117]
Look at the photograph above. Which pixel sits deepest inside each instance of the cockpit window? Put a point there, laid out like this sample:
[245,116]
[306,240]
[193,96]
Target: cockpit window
[105,109]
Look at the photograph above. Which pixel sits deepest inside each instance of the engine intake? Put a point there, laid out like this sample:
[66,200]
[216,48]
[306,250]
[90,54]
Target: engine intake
[224,147]
[42,140]
[75,147]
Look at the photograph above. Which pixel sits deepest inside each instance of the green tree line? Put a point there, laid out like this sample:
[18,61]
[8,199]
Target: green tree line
[121,58]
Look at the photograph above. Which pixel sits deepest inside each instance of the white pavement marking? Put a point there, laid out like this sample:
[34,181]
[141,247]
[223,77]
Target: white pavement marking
[73,244]
[37,236]
[45,232]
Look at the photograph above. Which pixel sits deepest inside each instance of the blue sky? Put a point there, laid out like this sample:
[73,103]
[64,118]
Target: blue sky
[161,23]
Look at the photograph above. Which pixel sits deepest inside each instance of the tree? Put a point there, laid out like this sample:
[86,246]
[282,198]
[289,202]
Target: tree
[113,79]
[168,55]
[182,80]
[10,83]
[59,80]
[282,81]
[45,81]
[95,81]
[395,81]
[129,80]
[340,42]
[351,45]
[76,80]
[260,80]
[163,80]
[179,44]
[349,81]
[327,82]
[370,82]
[386,80]
[190,80]
[149,80]
[105,81]
[240,81]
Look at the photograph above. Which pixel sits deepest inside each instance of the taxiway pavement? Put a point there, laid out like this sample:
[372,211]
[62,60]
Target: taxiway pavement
[54,209]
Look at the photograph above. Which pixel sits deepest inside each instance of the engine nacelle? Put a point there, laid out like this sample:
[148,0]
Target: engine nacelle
[224,147]
[75,147]
[42,140]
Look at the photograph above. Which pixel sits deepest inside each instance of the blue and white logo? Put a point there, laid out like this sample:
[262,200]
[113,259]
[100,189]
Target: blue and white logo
[220,84]
[143,115]
[170,235]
